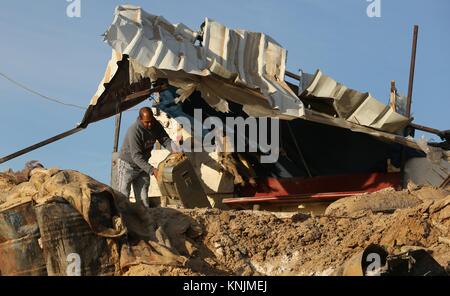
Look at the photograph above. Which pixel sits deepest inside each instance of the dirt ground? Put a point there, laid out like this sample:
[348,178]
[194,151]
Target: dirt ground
[219,242]
[264,243]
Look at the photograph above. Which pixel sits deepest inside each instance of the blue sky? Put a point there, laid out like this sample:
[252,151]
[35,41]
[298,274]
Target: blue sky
[65,58]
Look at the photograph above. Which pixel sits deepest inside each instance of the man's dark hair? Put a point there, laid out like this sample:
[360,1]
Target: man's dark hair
[144,110]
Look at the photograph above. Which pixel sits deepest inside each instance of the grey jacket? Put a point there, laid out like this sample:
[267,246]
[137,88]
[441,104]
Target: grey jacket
[138,144]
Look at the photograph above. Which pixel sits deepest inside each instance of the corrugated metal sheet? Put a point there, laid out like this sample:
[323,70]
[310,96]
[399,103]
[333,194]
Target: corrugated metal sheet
[245,67]
[356,107]
[241,66]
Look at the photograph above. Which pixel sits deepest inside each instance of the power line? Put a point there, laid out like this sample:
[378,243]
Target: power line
[21,85]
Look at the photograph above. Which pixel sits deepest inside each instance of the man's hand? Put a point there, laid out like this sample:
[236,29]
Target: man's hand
[155,172]
[177,153]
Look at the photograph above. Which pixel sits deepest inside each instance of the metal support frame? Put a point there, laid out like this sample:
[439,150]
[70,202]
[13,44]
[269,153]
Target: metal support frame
[409,99]
[411,71]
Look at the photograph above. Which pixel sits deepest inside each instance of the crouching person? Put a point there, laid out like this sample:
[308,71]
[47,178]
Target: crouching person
[132,164]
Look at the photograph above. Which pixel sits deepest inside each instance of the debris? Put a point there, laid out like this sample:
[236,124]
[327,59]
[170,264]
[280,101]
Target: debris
[444,240]
[48,215]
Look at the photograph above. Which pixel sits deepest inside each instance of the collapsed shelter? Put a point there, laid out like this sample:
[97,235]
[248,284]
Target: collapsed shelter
[335,142]
[326,129]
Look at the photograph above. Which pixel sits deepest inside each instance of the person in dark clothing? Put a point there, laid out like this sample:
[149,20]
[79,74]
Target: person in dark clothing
[133,167]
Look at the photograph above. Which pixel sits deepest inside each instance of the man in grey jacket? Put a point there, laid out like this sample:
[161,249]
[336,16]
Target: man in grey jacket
[132,164]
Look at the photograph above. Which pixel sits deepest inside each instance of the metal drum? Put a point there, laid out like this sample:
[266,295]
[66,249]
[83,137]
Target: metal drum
[67,238]
[20,253]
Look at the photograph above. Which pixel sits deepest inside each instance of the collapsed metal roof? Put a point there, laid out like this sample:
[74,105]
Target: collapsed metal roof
[224,64]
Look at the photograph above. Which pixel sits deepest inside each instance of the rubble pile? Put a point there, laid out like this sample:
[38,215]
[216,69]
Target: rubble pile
[135,240]
[264,243]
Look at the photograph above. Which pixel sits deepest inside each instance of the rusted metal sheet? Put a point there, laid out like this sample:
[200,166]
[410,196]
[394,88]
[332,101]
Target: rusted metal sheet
[20,253]
[22,257]
[64,232]
[316,189]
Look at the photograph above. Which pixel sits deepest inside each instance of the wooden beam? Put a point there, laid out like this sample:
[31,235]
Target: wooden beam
[426,129]
[393,97]
[40,144]
[146,92]
[117,131]
[292,75]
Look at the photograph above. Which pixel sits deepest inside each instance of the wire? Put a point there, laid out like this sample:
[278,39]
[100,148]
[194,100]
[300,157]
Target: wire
[38,93]
[21,85]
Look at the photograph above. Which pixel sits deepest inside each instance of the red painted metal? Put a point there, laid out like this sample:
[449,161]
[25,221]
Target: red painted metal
[317,189]
[329,196]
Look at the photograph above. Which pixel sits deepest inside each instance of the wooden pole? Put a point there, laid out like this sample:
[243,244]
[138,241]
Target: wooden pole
[40,144]
[130,97]
[117,131]
[426,129]
[393,98]
[115,149]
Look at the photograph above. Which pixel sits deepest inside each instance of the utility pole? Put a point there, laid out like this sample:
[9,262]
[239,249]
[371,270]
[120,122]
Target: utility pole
[407,131]
[411,71]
